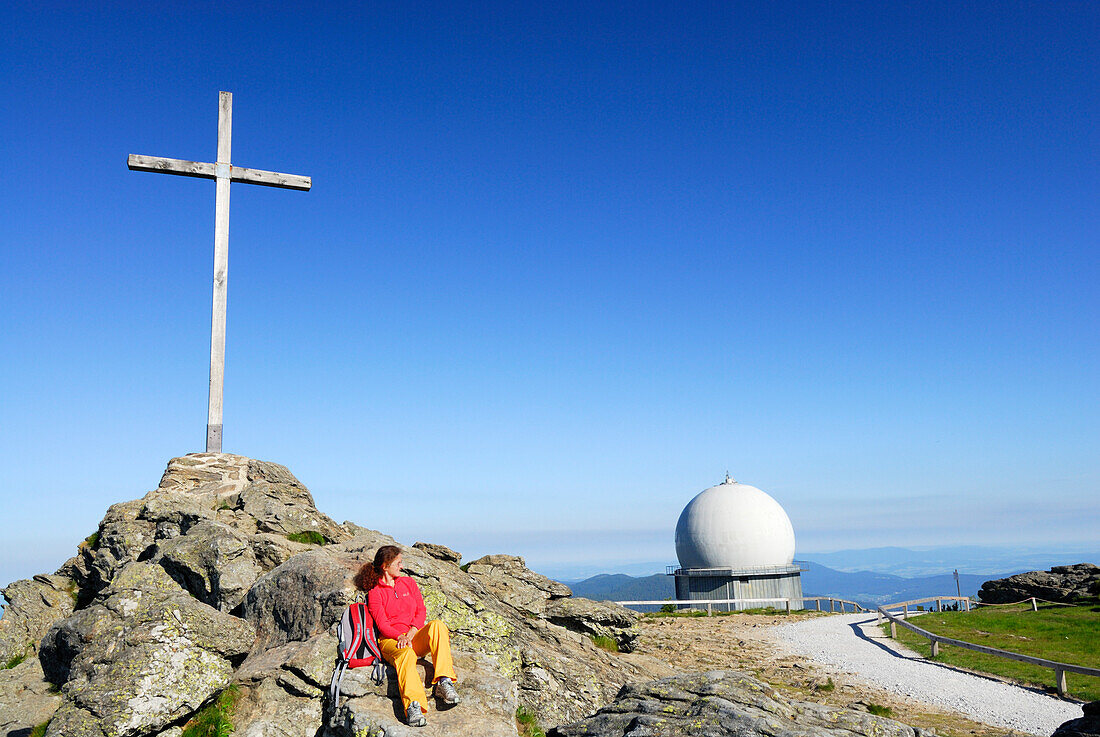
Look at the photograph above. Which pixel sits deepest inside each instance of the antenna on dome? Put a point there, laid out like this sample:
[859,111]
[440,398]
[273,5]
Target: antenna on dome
[728,479]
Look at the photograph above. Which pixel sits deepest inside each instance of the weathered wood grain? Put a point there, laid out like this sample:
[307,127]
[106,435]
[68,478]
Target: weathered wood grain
[224,173]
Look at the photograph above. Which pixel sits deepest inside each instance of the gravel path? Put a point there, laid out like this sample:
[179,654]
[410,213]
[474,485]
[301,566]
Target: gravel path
[853,643]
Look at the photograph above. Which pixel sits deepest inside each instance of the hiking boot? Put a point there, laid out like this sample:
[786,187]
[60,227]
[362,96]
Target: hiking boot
[445,691]
[414,715]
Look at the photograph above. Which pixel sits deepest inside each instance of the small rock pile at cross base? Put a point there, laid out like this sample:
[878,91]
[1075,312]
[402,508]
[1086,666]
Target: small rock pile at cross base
[227,575]
[1064,584]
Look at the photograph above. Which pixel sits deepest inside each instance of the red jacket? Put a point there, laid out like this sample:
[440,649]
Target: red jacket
[398,608]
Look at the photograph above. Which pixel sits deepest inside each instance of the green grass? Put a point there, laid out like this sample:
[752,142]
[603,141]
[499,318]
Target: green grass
[1059,633]
[828,686]
[527,725]
[92,540]
[14,661]
[604,642]
[880,711]
[310,537]
[214,720]
[39,730]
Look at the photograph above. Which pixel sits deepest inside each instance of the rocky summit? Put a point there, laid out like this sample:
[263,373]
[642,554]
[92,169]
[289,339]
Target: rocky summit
[1064,584]
[227,579]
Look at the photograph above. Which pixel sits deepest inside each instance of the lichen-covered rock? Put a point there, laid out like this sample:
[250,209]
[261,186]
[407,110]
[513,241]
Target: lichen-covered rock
[509,579]
[596,618]
[439,552]
[27,699]
[724,704]
[32,606]
[207,506]
[1061,583]
[488,706]
[301,598]
[143,655]
[212,561]
[268,709]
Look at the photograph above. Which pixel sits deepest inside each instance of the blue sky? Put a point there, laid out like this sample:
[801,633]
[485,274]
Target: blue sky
[562,267]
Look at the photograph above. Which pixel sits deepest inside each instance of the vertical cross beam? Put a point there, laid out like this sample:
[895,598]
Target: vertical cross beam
[222,173]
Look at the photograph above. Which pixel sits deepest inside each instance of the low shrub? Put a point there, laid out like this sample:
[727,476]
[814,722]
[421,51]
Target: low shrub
[879,710]
[215,719]
[604,642]
[39,730]
[527,725]
[310,537]
[14,661]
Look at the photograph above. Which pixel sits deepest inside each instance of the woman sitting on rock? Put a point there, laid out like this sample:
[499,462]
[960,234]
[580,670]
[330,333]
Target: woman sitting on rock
[398,610]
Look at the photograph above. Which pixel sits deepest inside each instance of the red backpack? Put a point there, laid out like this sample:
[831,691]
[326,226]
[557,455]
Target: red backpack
[358,648]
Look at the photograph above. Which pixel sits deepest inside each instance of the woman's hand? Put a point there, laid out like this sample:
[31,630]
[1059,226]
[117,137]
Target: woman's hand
[405,640]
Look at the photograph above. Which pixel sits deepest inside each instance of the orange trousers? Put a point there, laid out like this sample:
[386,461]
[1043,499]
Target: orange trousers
[434,639]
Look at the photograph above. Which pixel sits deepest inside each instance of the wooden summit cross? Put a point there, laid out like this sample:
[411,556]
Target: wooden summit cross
[224,173]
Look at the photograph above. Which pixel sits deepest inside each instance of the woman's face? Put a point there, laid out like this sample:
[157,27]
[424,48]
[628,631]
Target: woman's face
[394,568]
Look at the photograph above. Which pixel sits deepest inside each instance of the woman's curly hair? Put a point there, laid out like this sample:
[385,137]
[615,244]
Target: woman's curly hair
[368,575]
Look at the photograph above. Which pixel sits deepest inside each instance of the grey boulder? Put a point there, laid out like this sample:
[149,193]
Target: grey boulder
[143,655]
[32,606]
[724,704]
[1064,584]
[27,699]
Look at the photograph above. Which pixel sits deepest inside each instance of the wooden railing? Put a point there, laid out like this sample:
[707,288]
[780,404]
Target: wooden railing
[856,608]
[1060,669]
[711,602]
[708,602]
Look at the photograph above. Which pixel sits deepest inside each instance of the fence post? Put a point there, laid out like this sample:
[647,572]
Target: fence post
[939,605]
[708,608]
[1034,605]
[935,648]
[788,606]
[967,602]
[906,612]
[818,602]
[1060,681]
[893,629]
[832,606]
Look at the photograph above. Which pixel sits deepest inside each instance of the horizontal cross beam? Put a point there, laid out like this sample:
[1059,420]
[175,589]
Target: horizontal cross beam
[204,170]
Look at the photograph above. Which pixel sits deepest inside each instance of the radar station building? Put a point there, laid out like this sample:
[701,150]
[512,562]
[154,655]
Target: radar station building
[734,541]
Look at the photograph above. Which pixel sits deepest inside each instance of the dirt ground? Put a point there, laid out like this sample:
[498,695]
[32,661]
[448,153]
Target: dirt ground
[743,642]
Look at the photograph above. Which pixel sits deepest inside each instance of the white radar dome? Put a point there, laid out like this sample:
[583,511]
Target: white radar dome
[734,525]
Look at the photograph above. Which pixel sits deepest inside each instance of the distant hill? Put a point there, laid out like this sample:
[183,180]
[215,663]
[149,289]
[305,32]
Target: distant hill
[973,559]
[868,588]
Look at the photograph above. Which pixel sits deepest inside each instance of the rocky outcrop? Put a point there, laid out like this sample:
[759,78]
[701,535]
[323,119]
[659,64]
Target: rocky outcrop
[143,655]
[226,574]
[32,606]
[1061,583]
[27,699]
[724,704]
[1086,726]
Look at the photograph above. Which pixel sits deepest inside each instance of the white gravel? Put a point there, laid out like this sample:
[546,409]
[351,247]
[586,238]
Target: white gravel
[852,643]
